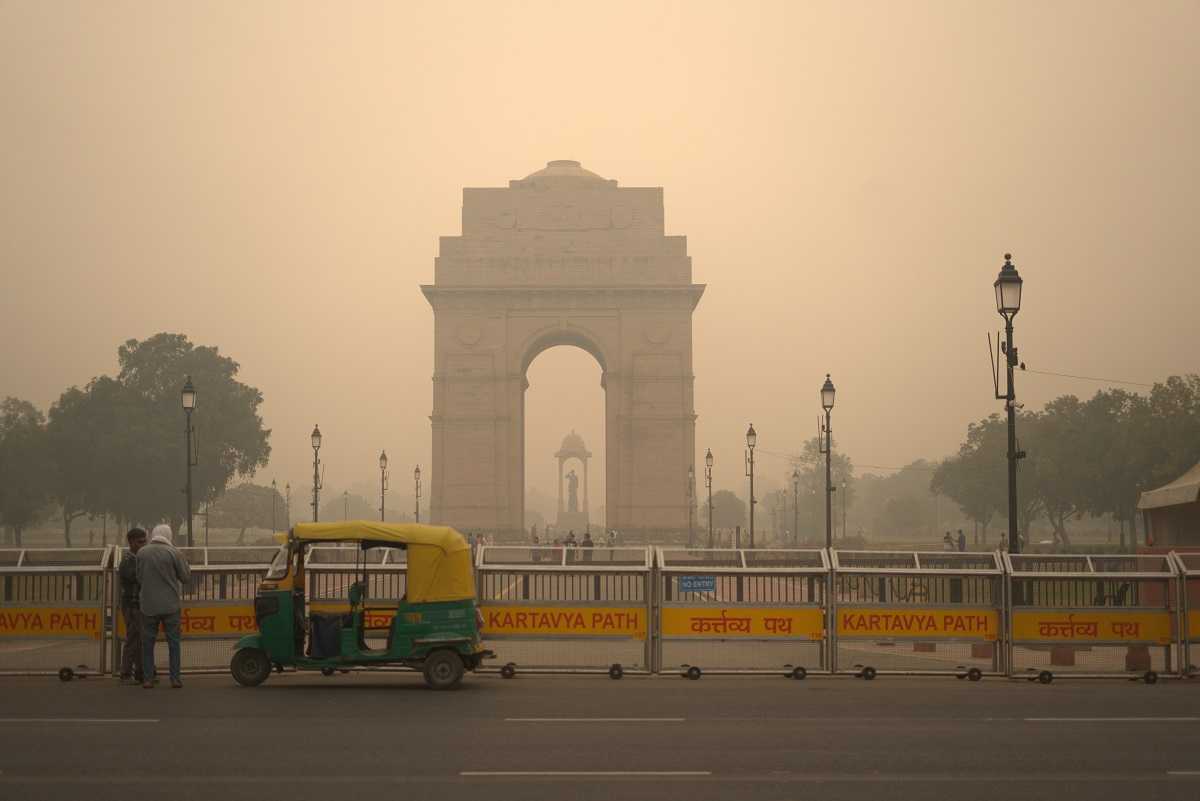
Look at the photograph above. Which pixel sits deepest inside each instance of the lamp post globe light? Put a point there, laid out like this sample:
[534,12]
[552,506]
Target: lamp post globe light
[316,490]
[187,399]
[1008,303]
[708,463]
[383,486]
[417,484]
[751,440]
[828,393]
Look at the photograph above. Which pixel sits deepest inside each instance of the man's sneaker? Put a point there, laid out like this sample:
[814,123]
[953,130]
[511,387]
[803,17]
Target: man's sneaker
[176,684]
[147,685]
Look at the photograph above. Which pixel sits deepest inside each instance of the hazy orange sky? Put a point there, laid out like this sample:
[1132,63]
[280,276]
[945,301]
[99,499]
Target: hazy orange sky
[272,178]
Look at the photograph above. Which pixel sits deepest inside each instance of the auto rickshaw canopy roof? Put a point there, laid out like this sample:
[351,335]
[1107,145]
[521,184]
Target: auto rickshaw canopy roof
[439,559]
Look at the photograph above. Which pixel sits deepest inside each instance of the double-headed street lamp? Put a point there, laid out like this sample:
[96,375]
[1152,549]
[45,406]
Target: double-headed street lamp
[708,463]
[383,485]
[187,398]
[316,492]
[827,396]
[1008,303]
[417,483]
[751,439]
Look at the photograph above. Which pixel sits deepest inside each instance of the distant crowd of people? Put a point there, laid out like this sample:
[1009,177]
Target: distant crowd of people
[152,576]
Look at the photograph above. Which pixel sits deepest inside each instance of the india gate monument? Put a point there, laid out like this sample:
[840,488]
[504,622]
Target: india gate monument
[562,257]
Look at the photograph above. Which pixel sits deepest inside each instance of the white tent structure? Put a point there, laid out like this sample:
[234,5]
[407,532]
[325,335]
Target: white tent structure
[1171,513]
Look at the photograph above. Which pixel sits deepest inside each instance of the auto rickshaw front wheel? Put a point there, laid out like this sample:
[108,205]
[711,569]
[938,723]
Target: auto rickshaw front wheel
[443,669]
[250,667]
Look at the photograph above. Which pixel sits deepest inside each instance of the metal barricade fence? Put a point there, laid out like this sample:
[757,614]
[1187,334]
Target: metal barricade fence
[1092,615]
[1188,565]
[552,609]
[918,613]
[55,606]
[742,611]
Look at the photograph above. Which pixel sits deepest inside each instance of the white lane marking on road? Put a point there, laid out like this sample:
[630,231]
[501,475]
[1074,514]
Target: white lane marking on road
[595,720]
[1114,720]
[1183,772]
[78,720]
[569,773]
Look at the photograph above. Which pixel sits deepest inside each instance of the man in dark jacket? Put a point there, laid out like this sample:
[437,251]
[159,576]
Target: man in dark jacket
[131,613]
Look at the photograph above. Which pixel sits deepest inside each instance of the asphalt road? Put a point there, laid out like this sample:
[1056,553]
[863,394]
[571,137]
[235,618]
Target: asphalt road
[535,737]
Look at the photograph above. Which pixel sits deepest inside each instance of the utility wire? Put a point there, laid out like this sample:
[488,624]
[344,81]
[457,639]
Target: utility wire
[1088,378]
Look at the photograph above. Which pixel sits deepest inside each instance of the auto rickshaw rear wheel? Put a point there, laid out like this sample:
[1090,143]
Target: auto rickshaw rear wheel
[250,667]
[443,669]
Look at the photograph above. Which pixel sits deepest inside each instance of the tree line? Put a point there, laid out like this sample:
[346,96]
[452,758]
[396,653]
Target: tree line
[1083,457]
[117,446]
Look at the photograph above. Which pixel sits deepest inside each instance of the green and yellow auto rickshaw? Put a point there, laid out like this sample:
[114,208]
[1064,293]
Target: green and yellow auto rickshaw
[434,628]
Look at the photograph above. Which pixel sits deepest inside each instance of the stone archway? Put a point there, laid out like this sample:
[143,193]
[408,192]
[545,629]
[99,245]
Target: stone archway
[562,257]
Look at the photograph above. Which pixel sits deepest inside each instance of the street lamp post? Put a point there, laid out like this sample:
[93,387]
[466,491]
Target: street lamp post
[796,506]
[274,492]
[708,463]
[345,504]
[383,485]
[827,395]
[316,446]
[843,513]
[751,439]
[417,483]
[287,506]
[1008,303]
[188,399]
[691,494]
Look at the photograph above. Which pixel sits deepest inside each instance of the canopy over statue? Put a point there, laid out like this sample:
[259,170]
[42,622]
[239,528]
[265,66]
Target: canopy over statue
[573,516]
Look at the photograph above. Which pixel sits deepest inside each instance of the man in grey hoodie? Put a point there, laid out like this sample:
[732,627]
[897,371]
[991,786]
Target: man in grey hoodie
[161,571]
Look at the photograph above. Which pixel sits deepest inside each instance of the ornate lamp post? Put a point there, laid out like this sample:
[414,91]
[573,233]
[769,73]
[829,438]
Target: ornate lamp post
[827,395]
[751,439]
[1008,303]
[316,491]
[187,398]
[796,505]
[274,492]
[708,463]
[843,513]
[287,505]
[691,496]
[417,482]
[345,504]
[383,485]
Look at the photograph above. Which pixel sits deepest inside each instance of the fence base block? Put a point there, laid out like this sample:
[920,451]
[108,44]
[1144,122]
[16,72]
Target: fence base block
[1062,655]
[1137,658]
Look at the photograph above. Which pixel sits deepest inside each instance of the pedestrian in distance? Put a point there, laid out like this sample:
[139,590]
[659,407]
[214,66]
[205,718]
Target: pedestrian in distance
[162,571]
[947,542]
[131,613]
[587,546]
[962,541]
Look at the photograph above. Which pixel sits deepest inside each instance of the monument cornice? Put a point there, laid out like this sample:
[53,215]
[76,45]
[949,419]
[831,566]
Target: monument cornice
[675,296]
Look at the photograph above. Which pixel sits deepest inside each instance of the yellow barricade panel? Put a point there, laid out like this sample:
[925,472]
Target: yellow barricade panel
[918,623]
[50,622]
[1092,625]
[752,622]
[1194,625]
[201,620]
[599,621]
